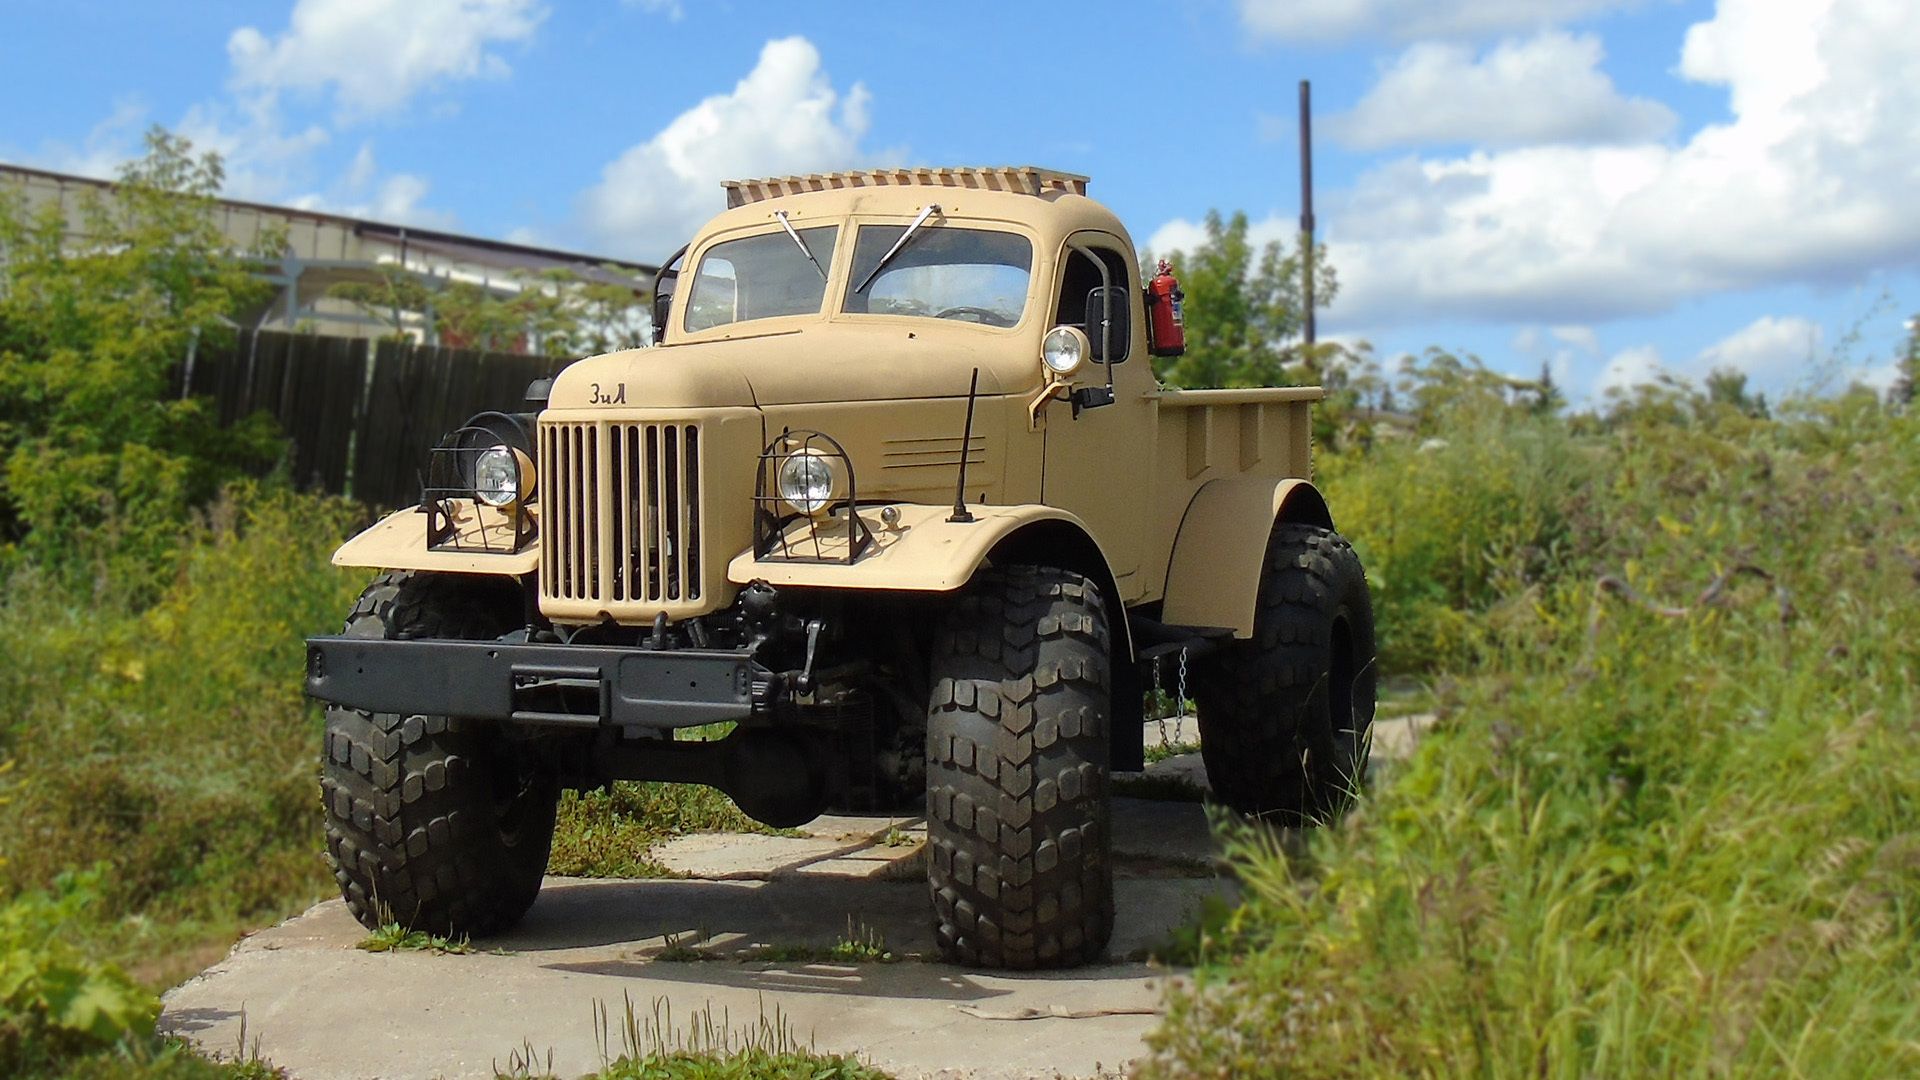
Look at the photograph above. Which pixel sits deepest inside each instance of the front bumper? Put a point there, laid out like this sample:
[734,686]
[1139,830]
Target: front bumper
[548,684]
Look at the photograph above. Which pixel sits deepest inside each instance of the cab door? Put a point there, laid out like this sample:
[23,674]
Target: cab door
[1099,458]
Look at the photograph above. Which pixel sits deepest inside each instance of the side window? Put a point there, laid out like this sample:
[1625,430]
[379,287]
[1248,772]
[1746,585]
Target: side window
[1079,301]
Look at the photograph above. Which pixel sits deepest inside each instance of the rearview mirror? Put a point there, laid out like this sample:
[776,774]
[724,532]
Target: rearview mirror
[1112,343]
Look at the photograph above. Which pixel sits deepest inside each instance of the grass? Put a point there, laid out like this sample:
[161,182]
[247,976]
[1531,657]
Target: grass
[655,1047]
[392,937]
[172,744]
[1158,788]
[1670,832]
[611,832]
[1161,751]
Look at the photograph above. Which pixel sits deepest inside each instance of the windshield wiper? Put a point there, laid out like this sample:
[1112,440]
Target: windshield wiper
[802,244]
[926,212]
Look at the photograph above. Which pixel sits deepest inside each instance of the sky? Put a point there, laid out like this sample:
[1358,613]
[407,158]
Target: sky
[1608,189]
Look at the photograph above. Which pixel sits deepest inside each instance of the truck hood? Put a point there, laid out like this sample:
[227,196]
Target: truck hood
[848,362]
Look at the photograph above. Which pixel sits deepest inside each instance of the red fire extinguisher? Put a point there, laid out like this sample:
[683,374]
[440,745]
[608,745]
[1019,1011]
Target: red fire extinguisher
[1166,328]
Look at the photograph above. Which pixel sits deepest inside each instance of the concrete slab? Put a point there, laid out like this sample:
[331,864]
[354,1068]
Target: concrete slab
[1396,738]
[890,853]
[323,1009]
[1163,839]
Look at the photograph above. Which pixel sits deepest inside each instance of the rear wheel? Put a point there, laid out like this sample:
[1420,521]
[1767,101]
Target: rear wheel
[1017,816]
[1285,717]
[438,823]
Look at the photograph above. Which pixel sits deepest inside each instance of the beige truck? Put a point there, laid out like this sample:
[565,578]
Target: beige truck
[894,514]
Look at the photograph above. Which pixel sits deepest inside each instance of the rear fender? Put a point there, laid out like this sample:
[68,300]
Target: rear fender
[399,542]
[1221,550]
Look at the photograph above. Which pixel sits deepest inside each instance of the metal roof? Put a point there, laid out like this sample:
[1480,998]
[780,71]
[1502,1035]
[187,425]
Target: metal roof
[504,252]
[1021,179]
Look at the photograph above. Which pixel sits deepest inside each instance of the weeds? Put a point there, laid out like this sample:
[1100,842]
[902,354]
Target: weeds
[1644,840]
[392,937]
[708,1047]
[1158,788]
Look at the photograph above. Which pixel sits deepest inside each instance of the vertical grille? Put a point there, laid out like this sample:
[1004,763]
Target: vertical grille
[620,519]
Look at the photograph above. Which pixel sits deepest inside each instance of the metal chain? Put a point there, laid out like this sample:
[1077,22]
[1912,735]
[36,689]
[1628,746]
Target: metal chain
[1181,701]
[1161,718]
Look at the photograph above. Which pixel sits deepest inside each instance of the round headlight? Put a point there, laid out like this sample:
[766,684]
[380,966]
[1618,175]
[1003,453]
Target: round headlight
[496,476]
[808,481]
[1064,349]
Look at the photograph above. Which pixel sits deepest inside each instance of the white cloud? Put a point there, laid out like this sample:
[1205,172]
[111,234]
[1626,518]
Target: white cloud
[1179,234]
[375,55]
[264,158]
[1548,88]
[1182,235]
[1581,338]
[362,191]
[1809,181]
[1638,366]
[1406,20]
[1773,352]
[784,117]
[107,146]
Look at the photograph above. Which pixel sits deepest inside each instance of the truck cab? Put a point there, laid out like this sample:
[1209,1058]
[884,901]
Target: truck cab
[897,497]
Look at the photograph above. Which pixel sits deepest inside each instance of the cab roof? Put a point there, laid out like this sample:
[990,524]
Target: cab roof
[1022,179]
[1054,204]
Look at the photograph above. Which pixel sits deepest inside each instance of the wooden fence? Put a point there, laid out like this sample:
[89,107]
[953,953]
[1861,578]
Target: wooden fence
[361,415]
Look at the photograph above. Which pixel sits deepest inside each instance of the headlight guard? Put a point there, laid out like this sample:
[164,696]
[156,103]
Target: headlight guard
[481,465]
[807,475]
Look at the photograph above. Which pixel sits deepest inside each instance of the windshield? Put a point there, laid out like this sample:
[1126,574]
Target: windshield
[973,275]
[758,277]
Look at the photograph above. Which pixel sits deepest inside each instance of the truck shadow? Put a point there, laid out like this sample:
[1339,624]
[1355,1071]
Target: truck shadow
[781,935]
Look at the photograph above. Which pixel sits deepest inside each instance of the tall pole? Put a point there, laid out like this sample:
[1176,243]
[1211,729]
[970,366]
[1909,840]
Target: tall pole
[1306,204]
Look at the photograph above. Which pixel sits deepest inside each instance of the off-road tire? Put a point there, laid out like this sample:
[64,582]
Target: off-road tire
[432,821]
[1286,717]
[1017,812]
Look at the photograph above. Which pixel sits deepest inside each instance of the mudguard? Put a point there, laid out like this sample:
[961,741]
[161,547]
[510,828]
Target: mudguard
[1213,579]
[399,542]
[921,552]
[924,552]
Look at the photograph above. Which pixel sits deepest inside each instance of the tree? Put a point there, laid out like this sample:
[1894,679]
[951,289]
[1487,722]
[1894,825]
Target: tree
[1244,310]
[95,313]
[1547,396]
[1727,386]
[555,312]
[1906,381]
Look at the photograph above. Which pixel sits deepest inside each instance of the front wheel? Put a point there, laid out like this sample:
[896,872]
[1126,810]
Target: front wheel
[1017,748]
[1286,718]
[437,823]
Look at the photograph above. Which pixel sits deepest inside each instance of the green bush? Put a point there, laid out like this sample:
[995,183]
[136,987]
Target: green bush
[55,1001]
[173,743]
[1665,826]
[1451,526]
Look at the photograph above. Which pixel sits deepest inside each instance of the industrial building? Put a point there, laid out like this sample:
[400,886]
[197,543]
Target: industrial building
[323,250]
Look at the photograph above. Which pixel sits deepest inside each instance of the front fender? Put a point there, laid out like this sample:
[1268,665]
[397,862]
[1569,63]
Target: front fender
[1221,551]
[924,552]
[399,542]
